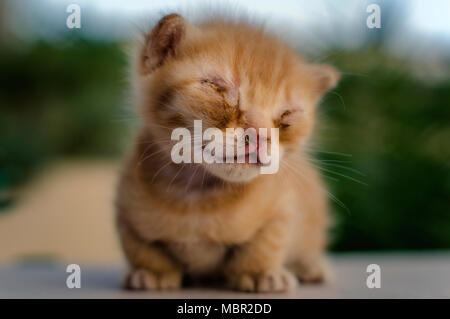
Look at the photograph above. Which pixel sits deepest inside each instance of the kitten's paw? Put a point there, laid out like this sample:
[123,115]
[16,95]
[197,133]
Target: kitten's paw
[275,281]
[312,271]
[141,279]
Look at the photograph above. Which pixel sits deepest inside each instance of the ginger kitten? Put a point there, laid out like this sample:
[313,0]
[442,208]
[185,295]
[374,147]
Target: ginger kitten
[260,232]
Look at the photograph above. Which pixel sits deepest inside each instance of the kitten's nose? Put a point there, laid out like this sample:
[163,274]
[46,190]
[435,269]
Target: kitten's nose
[251,146]
[260,139]
[231,96]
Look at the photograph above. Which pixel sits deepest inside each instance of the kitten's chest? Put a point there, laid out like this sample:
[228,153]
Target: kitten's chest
[223,220]
[226,225]
[198,257]
[223,227]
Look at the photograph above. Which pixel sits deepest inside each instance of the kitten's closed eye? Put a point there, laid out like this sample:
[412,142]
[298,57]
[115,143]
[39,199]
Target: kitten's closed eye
[215,84]
[287,118]
[226,90]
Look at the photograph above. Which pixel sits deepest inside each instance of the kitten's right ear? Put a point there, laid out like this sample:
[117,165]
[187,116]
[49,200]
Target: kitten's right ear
[162,42]
[325,76]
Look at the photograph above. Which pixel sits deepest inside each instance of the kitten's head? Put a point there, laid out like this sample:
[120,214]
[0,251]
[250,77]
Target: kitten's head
[228,75]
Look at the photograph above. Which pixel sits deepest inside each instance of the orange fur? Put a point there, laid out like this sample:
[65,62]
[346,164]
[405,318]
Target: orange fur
[255,230]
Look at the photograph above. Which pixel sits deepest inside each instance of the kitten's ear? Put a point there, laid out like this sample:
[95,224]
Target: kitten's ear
[163,42]
[325,77]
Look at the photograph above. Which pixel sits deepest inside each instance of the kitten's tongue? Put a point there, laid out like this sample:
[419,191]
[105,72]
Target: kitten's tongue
[251,148]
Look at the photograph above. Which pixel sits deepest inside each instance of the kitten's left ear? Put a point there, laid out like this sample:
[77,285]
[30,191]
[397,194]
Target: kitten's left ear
[163,41]
[325,77]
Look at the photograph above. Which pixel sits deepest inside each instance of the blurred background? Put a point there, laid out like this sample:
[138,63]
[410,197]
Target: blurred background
[382,144]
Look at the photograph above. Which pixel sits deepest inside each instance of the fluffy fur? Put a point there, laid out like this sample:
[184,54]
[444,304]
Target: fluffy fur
[257,231]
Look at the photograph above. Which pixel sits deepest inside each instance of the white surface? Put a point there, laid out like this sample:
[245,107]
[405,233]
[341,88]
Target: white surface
[402,276]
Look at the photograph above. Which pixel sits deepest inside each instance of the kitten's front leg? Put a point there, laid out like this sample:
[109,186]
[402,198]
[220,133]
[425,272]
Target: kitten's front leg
[257,266]
[151,267]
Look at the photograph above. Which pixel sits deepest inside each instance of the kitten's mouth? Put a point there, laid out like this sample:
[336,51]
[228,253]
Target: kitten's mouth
[247,158]
[250,157]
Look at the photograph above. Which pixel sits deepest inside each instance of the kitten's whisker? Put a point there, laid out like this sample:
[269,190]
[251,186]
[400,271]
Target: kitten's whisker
[150,156]
[331,161]
[342,175]
[203,178]
[124,120]
[154,141]
[346,168]
[190,179]
[340,97]
[330,195]
[334,198]
[173,179]
[354,74]
[159,171]
[315,150]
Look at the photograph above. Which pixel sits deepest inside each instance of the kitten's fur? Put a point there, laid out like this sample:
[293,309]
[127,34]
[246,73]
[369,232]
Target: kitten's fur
[258,231]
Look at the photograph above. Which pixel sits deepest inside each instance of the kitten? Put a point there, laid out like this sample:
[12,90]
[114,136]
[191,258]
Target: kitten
[260,232]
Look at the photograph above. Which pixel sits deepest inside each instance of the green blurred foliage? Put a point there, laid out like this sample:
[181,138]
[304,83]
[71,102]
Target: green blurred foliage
[381,126]
[394,130]
[58,100]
